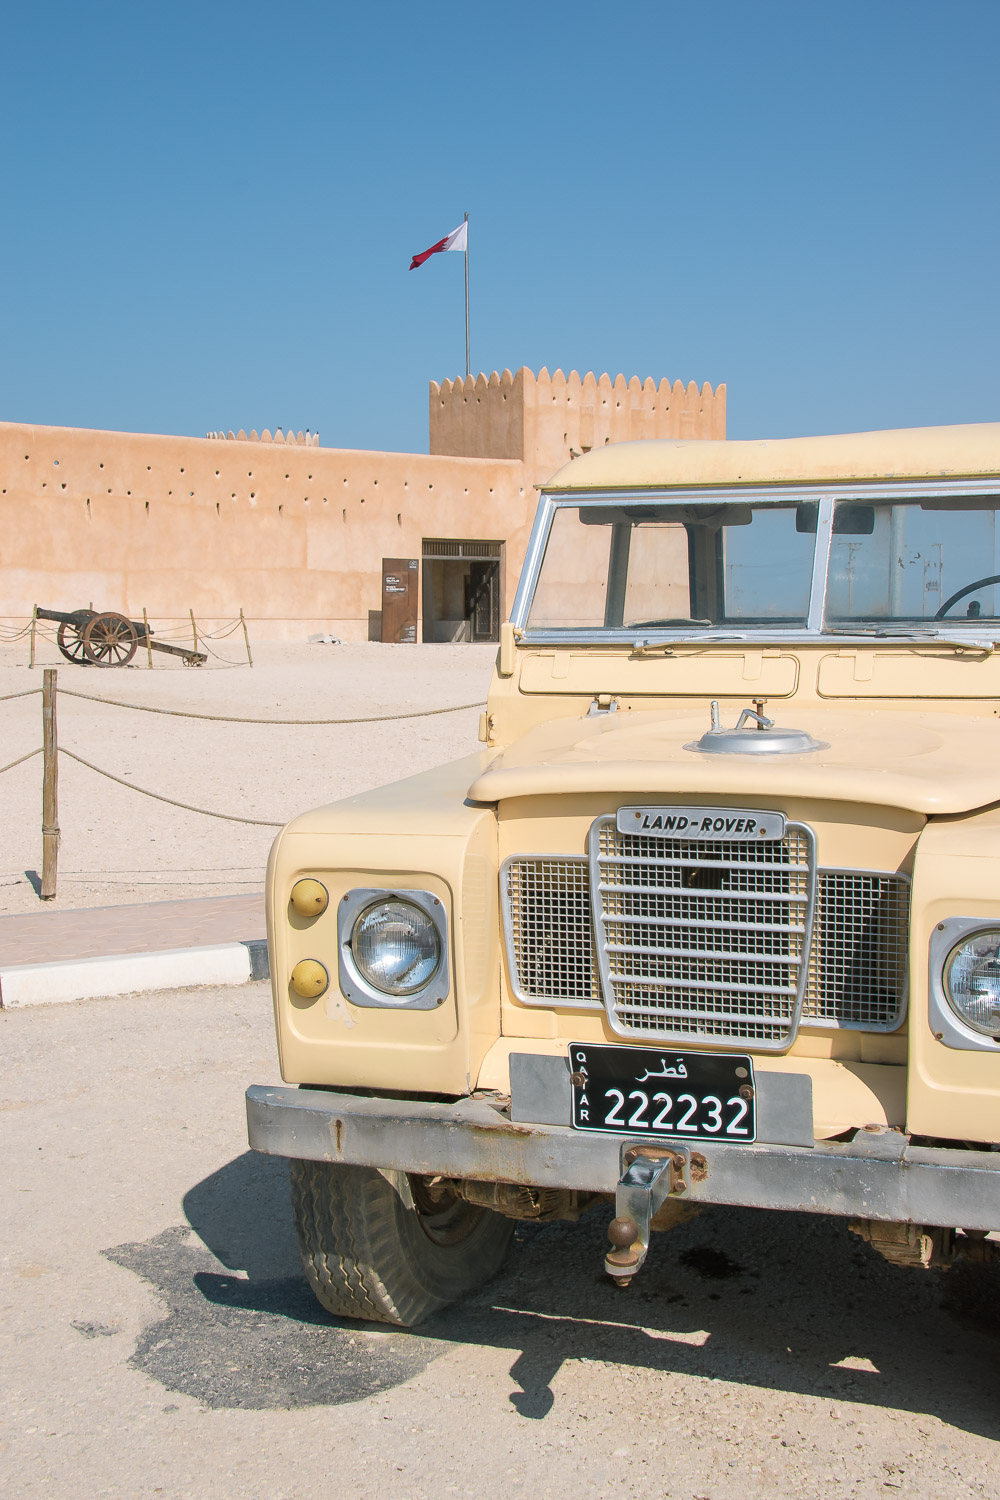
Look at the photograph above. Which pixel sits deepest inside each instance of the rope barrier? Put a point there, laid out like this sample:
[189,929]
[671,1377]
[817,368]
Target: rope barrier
[222,632]
[180,713]
[21,760]
[171,801]
[204,646]
[50,765]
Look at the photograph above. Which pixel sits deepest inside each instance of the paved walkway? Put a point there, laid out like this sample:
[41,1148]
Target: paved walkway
[96,932]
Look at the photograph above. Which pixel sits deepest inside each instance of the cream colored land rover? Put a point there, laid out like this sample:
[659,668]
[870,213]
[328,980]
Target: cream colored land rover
[714,917]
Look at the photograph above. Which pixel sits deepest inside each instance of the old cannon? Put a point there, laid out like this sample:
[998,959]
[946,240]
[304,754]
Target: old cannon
[103,638]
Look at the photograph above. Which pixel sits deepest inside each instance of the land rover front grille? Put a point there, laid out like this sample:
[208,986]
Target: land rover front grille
[550,934]
[857,962]
[856,969]
[703,938]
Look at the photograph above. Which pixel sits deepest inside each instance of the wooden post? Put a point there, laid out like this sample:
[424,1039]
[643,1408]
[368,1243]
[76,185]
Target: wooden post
[50,786]
[194,629]
[246,638]
[149,648]
[34,617]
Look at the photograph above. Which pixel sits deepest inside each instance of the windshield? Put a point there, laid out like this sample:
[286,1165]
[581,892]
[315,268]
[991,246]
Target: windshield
[912,564]
[644,566]
[922,561]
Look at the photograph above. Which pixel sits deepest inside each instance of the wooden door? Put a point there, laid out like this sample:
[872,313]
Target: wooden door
[399,599]
[482,601]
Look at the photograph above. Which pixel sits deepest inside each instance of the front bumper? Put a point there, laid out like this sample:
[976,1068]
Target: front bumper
[874,1176]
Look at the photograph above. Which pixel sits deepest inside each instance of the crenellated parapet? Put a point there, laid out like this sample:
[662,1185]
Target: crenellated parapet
[310,440]
[544,420]
[479,417]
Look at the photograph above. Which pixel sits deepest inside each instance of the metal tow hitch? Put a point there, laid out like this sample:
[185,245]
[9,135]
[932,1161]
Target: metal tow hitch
[649,1175]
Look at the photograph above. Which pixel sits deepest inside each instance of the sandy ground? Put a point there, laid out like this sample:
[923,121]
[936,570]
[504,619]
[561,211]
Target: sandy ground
[157,1337]
[119,847]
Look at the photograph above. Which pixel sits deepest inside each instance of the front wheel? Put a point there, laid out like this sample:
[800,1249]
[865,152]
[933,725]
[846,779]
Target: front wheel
[367,1255]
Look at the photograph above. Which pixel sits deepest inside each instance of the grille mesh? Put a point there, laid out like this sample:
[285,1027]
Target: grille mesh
[857,966]
[550,932]
[703,938]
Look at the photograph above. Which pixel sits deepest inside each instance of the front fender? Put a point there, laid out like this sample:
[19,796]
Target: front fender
[951,1093]
[418,834]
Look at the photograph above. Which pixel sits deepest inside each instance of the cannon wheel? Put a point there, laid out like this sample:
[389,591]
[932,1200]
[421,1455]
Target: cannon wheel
[109,640]
[69,639]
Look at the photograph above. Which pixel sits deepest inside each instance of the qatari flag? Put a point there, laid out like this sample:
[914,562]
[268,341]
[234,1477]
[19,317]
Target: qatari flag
[457,240]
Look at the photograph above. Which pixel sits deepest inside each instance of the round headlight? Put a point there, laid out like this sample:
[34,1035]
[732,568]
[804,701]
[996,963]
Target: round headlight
[396,947]
[972,981]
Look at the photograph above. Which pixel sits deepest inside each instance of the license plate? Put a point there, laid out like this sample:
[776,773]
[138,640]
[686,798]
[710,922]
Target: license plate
[637,1091]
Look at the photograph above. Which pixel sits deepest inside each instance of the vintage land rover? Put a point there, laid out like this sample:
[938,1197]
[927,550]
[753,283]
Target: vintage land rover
[713,918]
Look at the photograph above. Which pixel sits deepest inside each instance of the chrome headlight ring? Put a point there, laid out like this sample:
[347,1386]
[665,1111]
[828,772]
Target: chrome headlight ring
[392,952]
[964,975]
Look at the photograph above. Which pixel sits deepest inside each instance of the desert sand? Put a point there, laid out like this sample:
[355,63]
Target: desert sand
[120,847]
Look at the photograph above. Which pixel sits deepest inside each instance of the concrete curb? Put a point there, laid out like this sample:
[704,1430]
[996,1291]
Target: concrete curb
[131,974]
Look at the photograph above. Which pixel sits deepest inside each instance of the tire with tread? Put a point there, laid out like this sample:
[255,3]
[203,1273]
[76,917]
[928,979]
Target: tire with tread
[368,1256]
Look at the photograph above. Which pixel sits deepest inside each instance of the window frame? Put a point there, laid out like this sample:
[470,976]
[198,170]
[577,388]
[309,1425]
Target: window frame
[827,495]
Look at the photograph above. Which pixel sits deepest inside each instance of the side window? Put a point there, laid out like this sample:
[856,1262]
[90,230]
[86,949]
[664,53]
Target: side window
[573,584]
[768,567]
[658,588]
[913,560]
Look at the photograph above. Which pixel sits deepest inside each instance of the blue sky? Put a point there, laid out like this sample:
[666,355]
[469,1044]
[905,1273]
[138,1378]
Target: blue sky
[209,210]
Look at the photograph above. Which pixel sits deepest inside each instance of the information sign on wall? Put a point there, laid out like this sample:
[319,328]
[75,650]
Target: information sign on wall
[399,599]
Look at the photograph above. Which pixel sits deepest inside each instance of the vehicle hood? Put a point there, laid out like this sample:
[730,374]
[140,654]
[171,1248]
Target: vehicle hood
[930,763]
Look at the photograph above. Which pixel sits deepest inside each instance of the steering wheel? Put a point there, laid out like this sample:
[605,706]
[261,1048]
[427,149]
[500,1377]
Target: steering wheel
[970,588]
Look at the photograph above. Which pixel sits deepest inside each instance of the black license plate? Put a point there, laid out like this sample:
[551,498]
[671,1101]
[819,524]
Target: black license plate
[637,1091]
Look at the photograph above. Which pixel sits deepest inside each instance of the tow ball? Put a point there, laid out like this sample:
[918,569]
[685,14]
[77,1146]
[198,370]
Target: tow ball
[649,1176]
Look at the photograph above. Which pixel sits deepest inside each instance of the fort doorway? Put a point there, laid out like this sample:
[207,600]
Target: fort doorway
[462,590]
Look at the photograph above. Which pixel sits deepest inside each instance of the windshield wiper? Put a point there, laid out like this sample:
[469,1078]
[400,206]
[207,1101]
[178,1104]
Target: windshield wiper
[912,633]
[885,632]
[641,646]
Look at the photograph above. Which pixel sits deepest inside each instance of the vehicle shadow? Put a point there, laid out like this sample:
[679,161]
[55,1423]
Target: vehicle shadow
[786,1302]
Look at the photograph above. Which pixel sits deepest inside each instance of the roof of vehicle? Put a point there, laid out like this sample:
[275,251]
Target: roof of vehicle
[969,450]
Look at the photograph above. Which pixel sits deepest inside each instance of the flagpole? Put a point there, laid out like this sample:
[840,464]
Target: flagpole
[468,366]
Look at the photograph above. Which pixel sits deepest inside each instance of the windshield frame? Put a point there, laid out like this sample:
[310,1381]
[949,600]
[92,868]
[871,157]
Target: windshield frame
[551,501]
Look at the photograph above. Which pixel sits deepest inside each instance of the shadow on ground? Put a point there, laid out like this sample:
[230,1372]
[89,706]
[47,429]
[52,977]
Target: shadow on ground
[257,1339]
[779,1301]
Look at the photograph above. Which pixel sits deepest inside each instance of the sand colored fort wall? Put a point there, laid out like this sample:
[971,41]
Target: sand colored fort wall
[294,536]
[291,533]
